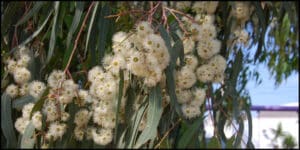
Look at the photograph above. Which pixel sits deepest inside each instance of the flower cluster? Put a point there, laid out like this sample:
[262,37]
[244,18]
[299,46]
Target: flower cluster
[241,11]
[17,67]
[202,61]
[143,53]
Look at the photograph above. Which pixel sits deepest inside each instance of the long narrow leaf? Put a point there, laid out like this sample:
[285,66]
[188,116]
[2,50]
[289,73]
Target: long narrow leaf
[153,117]
[185,139]
[135,124]
[7,124]
[68,139]
[53,32]
[39,104]
[178,48]
[121,85]
[103,27]
[75,22]
[27,138]
[169,71]
[239,136]
[249,118]
[213,143]
[35,9]
[90,28]
[20,102]
[33,35]
[67,55]
[121,142]
[11,11]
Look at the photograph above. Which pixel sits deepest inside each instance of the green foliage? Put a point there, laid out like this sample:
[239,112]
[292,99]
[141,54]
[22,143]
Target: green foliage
[75,36]
[28,137]
[188,133]
[287,140]
[153,117]
[7,124]
[20,102]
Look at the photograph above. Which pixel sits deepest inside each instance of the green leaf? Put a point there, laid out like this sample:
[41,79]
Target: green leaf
[131,96]
[20,102]
[229,143]
[249,118]
[7,124]
[4,80]
[19,140]
[32,66]
[178,48]
[85,144]
[10,12]
[285,29]
[33,35]
[121,86]
[35,9]
[60,21]
[164,34]
[169,71]
[192,129]
[236,67]
[262,21]
[90,28]
[135,124]
[68,137]
[67,55]
[39,104]
[214,143]
[103,27]
[53,32]
[27,138]
[153,116]
[75,22]
[239,137]
[121,142]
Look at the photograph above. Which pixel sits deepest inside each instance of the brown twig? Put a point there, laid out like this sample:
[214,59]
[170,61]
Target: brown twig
[182,13]
[152,11]
[78,36]
[165,19]
[178,20]
[167,133]
[225,114]
[69,74]
[124,13]
[235,128]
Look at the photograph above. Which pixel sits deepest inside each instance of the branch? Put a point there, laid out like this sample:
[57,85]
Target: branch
[167,133]
[125,13]
[182,13]
[78,35]
[178,20]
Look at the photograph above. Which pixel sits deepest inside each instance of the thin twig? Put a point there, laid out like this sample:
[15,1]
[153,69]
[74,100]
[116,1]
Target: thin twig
[152,11]
[69,74]
[182,13]
[15,37]
[235,128]
[178,20]
[124,13]
[167,133]
[165,19]
[225,114]
[77,38]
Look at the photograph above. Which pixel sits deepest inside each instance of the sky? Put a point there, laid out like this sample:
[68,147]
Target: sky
[267,94]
